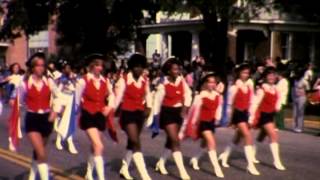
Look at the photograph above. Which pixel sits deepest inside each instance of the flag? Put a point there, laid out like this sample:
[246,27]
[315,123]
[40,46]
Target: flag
[111,127]
[155,127]
[14,123]
[192,128]
[66,124]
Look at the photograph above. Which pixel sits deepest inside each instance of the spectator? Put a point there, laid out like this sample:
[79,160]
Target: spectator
[299,99]
[283,88]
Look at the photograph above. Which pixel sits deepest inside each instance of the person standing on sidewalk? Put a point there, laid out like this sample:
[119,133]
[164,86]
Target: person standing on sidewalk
[283,88]
[299,99]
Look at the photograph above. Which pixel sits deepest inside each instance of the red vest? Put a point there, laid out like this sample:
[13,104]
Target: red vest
[242,100]
[173,94]
[268,103]
[38,100]
[93,99]
[133,97]
[208,109]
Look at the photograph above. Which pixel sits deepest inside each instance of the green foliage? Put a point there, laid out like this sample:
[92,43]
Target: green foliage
[100,26]
[305,9]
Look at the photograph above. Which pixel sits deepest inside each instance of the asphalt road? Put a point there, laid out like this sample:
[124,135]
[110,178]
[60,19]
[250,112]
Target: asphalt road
[300,154]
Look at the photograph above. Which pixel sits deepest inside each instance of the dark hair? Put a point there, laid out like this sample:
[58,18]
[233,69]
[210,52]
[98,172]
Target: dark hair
[299,73]
[267,71]
[168,65]
[92,58]
[136,60]
[240,68]
[11,68]
[110,66]
[281,70]
[30,62]
[205,79]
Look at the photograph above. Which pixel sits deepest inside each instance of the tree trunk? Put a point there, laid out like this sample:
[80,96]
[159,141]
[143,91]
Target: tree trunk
[217,31]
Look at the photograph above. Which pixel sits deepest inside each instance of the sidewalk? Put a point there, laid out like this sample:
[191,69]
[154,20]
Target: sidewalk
[308,123]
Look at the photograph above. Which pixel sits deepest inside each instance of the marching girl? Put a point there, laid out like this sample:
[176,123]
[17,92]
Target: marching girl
[65,125]
[14,120]
[203,116]
[266,103]
[241,96]
[134,100]
[96,99]
[36,91]
[172,99]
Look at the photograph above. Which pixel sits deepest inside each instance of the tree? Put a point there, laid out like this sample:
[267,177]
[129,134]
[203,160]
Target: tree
[83,27]
[305,10]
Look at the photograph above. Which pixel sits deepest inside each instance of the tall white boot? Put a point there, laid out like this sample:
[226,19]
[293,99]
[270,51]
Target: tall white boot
[177,156]
[215,163]
[224,157]
[33,170]
[141,166]
[11,146]
[276,156]
[194,161]
[124,171]
[161,164]
[71,147]
[90,167]
[43,171]
[99,163]
[255,160]
[58,142]
[249,152]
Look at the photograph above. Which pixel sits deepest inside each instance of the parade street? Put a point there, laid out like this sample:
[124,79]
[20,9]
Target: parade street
[300,154]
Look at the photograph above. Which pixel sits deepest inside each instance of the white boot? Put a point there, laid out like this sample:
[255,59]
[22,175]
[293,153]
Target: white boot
[224,157]
[194,161]
[98,161]
[124,171]
[161,164]
[249,152]
[215,163]
[33,170]
[11,146]
[43,171]
[141,166]
[177,156]
[58,142]
[255,160]
[72,149]
[90,167]
[161,167]
[276,156]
